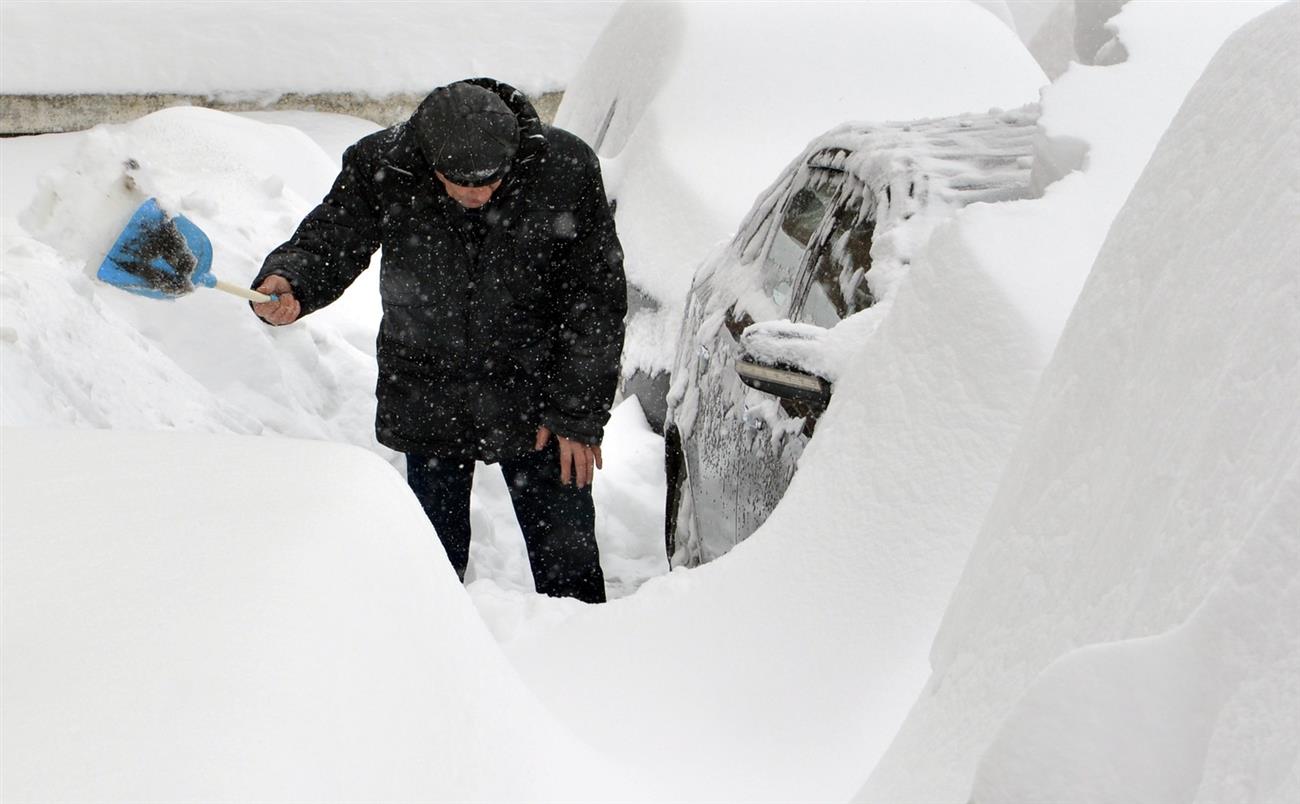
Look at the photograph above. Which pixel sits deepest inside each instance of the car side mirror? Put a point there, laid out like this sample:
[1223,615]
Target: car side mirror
[781,358]
[787,383]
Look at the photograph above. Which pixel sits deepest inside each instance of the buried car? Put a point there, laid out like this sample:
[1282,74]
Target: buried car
[694,107]
[812,271]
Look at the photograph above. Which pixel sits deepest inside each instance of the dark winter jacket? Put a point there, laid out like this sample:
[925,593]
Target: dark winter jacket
[494,323]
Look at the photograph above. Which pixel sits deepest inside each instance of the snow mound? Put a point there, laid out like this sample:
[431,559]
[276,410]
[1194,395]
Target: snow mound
[222,618]
[1126,629]
[243,182]
[78,352]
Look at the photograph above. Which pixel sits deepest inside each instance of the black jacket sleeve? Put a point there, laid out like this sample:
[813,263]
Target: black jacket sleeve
[593,301]
[334,243]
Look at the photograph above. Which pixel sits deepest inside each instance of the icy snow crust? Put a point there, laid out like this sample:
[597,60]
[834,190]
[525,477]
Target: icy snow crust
[245,48]
[696,107]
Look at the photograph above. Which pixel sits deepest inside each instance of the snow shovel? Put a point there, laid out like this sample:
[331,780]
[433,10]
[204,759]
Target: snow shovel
[164,257]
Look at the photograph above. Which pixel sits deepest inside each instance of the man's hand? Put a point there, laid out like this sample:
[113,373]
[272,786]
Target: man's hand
[581,458]
[283,310]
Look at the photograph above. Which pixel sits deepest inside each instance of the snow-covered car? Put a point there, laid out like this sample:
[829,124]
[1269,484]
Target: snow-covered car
[812,271]
[693,107]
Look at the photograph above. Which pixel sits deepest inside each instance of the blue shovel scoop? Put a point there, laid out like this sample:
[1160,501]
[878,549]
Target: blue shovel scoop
[164,257]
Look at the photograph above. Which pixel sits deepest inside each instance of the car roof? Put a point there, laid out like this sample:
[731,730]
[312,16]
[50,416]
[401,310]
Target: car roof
[918,166]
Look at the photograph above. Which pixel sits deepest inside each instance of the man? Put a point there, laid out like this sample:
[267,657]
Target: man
[503,296]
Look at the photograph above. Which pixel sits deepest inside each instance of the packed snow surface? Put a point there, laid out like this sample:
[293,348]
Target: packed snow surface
[247,48]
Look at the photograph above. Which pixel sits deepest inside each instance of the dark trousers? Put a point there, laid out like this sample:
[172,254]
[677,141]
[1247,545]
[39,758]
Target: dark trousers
[558,522]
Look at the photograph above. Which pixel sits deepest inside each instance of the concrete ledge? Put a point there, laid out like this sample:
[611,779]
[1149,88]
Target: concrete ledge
[47,114]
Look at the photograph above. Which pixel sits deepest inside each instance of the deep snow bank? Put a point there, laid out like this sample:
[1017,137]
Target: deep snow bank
[1126,629]
[192,617]
[245,48]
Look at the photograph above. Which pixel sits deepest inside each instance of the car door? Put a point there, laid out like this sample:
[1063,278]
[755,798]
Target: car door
[742,447]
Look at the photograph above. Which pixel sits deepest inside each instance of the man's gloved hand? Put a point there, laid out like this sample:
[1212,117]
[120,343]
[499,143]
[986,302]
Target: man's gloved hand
[578,461]
[285,309]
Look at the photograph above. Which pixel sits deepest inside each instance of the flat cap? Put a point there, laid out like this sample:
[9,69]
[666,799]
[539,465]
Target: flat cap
[467,133]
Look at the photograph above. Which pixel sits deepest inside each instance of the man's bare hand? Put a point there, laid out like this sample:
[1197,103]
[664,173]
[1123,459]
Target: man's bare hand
[578,461]
[285,309]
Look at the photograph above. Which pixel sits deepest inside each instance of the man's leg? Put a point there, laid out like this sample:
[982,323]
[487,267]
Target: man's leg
[559,525]
[442,486]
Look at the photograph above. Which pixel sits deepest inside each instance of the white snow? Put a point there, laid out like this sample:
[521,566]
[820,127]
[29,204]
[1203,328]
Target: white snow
[191,613]
[82,353]
[1101,125]
[1126,627]
[252,49]
[198,618]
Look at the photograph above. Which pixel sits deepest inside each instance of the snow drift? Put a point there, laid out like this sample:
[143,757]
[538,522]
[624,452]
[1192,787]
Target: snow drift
[1126,629]
[193,617]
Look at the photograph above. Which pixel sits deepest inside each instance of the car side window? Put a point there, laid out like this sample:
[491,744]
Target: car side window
[800,219]
[837,281]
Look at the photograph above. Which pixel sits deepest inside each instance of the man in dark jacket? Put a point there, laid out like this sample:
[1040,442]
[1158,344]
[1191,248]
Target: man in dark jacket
[503,297]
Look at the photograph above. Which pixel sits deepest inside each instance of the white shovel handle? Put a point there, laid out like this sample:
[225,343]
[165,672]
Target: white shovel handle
[242,292]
